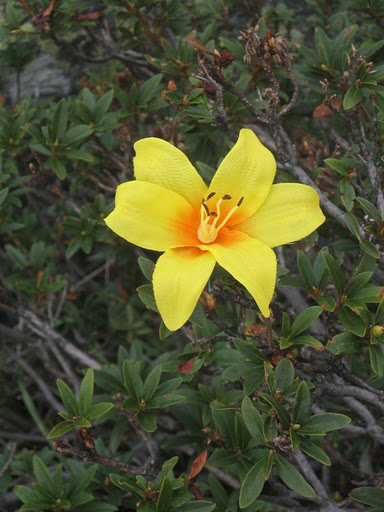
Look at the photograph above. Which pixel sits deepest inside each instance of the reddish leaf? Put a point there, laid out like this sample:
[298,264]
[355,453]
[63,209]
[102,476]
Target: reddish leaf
[198,464]
[322,111]
[186,367]
[196,43]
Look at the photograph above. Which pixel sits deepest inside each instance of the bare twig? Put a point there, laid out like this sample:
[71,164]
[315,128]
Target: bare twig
[63,447]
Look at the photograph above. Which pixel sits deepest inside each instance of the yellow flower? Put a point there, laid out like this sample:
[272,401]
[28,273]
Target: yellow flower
[235,222]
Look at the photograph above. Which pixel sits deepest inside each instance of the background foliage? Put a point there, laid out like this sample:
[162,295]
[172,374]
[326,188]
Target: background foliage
[233,411]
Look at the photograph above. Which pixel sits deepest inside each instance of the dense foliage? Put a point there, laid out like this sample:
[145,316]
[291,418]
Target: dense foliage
[231,412]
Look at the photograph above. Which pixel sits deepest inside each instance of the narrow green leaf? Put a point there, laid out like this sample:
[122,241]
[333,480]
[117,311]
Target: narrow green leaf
[304,320]
[147,421]
[151,383]
[86,392]
[373,496]
[352,97]
[307,340]
[302,403]
[328,421]
[248,350]
[60,429]
[305,269]
[344,343]
[370,249]
[292,478]
[352,322]
[196,506]
[314,451]
[165,495]
[60,120]
[252,485]
[68,398]
[352,224]
[102,106]
[98,410]
[338,165]
[335,271]
[132,381]
[3,195]
[284,373]
[357,282]
[146,266]
[252,418]
[376,358]
[76,134]
[368,207]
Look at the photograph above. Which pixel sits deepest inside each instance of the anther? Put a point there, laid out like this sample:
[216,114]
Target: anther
[211,195]
[213,214]
[227,196]
[241,200]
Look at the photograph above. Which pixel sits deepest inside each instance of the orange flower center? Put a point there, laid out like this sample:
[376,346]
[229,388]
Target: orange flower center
[210,221]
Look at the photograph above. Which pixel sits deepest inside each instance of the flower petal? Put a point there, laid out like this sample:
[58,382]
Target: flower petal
[290,212]
[178,280]
[153,217]
[247,171]
[251,262]
[158,161]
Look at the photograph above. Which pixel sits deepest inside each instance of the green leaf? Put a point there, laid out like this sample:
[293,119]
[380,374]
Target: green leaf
[304,320]
[102,106]
[314,451]
[368,207]
[370,249]
[302,404]
[352,97]
[196,506]
[292,478]
[76,134]
[307,340]
[352,322]
[59,168]
[373,496]
[328,421]
[132,381]
[252,418]
[357,282]
[165,495]
[284,373]
[147,421]
[60,429]
[3,195]
[338,165]
[252,485]
[86,392]
[352,224]
[305,269]
[344,343]
[335,271]
[68,398]
[146,295]
[59,121]
[146,266]
[249,350]
[376,358]
[98,410]
[151,383]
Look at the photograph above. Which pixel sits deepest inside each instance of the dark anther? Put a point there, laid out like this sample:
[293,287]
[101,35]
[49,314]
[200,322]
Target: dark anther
[206,208]
[241,200]
[227,196]
[213,214]
[211,195]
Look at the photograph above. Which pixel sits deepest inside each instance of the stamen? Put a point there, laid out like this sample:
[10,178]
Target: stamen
[205,207]
[229,214]
[218,205]
[241,200]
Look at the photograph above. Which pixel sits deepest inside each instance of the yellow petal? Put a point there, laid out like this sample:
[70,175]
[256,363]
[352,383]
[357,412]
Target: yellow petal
[251,262]
[153,217]
[158,161]
[178,280]
[290,212]
[247,171]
